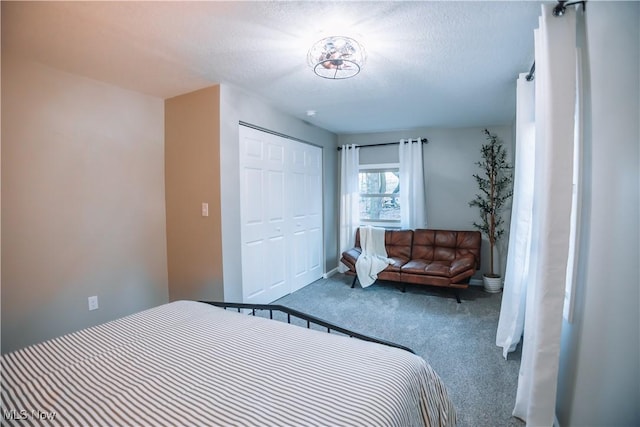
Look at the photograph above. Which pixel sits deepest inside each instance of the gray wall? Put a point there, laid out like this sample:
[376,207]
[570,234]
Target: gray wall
[237,105]
[449,161]
[599,376]
[82,202]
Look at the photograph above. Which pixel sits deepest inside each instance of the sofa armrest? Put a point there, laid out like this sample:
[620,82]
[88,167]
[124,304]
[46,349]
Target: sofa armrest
[349,258]
[462,264]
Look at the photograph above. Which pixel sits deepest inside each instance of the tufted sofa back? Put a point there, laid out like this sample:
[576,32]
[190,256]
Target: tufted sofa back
[396,242]
[445,245]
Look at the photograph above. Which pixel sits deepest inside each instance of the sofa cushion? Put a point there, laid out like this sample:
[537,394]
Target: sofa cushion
[440,268]
[432,268]
[397,264]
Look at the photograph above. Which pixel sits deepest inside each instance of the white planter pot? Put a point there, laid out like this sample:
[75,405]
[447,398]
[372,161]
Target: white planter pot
[492,284]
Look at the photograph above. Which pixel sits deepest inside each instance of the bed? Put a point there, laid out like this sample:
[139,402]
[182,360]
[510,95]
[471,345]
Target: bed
[192,363]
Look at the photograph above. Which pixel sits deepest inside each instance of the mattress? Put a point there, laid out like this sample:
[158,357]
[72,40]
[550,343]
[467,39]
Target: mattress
[189,364]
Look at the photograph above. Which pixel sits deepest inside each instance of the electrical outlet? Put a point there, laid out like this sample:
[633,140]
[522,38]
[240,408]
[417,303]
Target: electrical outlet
[93,303]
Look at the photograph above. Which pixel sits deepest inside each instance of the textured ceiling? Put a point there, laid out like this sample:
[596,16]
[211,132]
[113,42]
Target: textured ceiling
[429,64]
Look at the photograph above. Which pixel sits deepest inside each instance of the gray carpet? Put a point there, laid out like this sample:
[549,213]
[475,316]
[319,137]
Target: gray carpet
[458,340]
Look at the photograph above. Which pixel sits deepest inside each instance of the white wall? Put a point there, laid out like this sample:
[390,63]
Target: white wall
[82,202]
[599,378]
[449,161]
[237,105]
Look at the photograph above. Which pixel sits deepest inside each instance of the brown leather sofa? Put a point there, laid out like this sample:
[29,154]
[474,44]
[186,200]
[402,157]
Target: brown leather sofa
[445,258]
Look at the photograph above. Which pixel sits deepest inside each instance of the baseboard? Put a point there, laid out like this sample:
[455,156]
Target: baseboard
[475,282]
[330,273]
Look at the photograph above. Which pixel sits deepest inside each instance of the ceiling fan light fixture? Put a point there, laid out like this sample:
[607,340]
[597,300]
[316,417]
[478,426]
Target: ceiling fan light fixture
[336,57]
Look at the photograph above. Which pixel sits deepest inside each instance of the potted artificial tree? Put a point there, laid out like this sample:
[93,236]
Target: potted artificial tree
[494,184]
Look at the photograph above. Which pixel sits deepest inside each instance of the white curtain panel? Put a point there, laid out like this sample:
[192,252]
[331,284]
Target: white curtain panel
[576,202]
[555,93]
[511,322]
[349,198]
[412,187]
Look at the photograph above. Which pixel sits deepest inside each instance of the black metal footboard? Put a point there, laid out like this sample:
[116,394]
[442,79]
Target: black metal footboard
[291,313]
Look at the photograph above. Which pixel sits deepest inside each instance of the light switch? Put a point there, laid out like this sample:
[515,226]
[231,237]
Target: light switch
[205,209]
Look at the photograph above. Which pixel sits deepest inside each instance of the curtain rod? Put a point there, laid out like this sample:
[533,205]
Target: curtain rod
[422,140]
[272,132]
[558,11]
[532,73]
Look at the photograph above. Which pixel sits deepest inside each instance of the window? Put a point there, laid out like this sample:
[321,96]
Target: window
[380,194]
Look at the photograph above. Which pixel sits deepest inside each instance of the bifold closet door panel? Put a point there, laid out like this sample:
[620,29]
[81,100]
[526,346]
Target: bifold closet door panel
[306,213]
[262,186]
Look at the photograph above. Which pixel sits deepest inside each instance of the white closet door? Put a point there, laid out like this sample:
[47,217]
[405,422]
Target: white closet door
[262,186]
[281,215]
[305,220]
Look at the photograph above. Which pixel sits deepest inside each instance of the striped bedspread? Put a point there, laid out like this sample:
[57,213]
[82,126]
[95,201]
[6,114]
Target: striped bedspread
[192,364]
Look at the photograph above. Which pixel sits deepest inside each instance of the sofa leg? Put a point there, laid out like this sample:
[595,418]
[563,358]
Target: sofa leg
[455,292]
[353,284]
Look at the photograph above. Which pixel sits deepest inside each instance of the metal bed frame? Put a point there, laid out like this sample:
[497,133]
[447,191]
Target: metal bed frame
[303,316]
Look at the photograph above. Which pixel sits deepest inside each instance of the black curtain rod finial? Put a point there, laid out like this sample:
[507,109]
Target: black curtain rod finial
[561,7]
[532,73]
